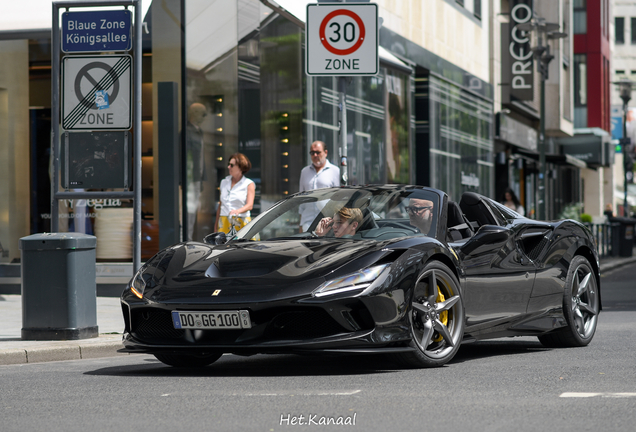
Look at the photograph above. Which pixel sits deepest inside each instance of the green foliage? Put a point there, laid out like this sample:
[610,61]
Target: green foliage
[572,211]
[586,218]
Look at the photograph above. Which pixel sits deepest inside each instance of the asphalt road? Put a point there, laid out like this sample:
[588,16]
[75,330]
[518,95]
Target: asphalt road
[502,385]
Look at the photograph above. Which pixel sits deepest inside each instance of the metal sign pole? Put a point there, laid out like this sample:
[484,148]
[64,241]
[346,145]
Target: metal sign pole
[342,106]
[135,195]
[137,138]
[55,116]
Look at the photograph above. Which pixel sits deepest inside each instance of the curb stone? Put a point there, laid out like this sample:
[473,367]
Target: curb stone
[71,350]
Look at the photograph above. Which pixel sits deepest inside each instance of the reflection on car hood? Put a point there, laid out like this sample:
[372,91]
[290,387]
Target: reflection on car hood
[260,263]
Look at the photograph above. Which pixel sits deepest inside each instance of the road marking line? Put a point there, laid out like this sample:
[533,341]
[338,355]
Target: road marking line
[345,393]
[588,395]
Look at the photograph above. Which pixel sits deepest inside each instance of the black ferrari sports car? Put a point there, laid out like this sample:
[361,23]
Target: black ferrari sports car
[376,269]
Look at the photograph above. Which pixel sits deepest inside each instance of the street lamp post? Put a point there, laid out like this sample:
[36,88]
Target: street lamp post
[625,92]
[541,32]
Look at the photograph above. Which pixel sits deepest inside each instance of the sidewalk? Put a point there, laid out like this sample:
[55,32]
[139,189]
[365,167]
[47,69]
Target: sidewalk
[13,350]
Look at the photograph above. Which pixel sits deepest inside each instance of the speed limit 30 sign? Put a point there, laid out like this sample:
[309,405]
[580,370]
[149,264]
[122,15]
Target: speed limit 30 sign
[341,39]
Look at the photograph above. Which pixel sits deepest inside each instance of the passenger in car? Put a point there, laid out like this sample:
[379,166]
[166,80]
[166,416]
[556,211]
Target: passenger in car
[344,223]
[420,213]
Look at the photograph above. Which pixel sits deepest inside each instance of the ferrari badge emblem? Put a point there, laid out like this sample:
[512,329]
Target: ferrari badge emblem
[216,292]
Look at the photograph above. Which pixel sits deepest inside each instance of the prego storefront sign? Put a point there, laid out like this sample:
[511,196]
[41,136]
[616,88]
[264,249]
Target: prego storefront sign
[520,62]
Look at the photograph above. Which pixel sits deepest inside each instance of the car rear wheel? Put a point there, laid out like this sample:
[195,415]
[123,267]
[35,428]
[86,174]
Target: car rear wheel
[436,318]
[581,306]
[187,360]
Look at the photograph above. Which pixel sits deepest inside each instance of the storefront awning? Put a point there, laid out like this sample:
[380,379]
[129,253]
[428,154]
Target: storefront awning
[565,159]
[590,145]
[557,159]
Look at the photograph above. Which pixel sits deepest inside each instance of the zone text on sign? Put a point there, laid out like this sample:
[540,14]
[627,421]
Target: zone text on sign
[344,64]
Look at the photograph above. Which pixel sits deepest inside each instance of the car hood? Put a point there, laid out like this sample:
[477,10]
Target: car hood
[256,270]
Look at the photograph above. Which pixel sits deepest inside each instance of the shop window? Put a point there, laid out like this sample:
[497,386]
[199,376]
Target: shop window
[366,122]
[459,138]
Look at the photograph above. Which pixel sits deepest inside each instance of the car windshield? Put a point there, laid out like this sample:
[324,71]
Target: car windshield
[368,213]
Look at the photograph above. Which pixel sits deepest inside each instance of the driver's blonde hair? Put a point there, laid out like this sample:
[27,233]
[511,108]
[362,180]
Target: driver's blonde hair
[350,215]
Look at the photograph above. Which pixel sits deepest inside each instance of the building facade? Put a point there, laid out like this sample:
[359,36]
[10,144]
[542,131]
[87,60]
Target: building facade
[592,96]
[623,66]
[517,106]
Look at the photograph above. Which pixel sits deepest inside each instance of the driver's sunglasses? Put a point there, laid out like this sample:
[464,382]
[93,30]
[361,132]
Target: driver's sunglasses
[414,209]
[315,153]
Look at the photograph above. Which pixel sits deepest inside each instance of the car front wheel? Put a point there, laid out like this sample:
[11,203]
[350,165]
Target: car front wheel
[436,318]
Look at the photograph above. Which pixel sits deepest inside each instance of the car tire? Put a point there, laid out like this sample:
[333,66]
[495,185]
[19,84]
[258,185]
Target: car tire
[187,360]
[581,306]
[436,318]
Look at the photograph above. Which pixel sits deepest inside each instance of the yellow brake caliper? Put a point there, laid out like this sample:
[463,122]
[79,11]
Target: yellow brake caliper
[443,316]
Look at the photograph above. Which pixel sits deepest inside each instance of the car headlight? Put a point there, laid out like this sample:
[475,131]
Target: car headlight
[354,281]
[138,285]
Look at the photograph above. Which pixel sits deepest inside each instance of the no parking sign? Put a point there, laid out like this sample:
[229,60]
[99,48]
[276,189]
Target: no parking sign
[341,39]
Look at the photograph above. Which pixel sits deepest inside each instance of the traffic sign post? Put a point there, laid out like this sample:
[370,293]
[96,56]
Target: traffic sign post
[101,94]
[96,92]
[341,39]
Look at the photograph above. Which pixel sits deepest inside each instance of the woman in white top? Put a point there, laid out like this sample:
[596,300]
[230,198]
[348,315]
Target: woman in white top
[237,195]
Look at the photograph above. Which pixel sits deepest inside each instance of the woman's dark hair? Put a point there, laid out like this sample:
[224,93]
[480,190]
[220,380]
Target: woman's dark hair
[242,161]
[513,196]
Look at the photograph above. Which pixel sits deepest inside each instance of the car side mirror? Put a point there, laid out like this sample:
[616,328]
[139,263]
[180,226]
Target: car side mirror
[216,238]
[486,235]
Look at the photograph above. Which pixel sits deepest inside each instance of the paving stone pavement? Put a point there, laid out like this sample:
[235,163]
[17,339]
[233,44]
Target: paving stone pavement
[14,350]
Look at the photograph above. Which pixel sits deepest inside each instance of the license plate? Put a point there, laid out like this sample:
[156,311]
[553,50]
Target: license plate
[211,320]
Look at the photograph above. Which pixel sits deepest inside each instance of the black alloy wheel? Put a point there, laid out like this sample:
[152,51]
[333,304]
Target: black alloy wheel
[436,318]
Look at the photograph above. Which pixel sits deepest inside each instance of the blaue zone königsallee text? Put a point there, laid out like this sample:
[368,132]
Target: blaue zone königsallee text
[96,31]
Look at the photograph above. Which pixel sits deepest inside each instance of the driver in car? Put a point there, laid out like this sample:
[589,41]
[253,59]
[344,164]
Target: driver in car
[344,223]
[420,213]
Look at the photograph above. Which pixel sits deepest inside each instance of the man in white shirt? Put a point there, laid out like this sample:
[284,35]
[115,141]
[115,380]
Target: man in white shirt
[319,174]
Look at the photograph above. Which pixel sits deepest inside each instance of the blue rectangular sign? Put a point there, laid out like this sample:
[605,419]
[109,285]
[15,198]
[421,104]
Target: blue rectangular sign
[96,31]
[617,127]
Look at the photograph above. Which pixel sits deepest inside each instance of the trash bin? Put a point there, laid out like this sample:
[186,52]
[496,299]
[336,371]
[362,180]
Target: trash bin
[615,238]
[59,300]
[624,239]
